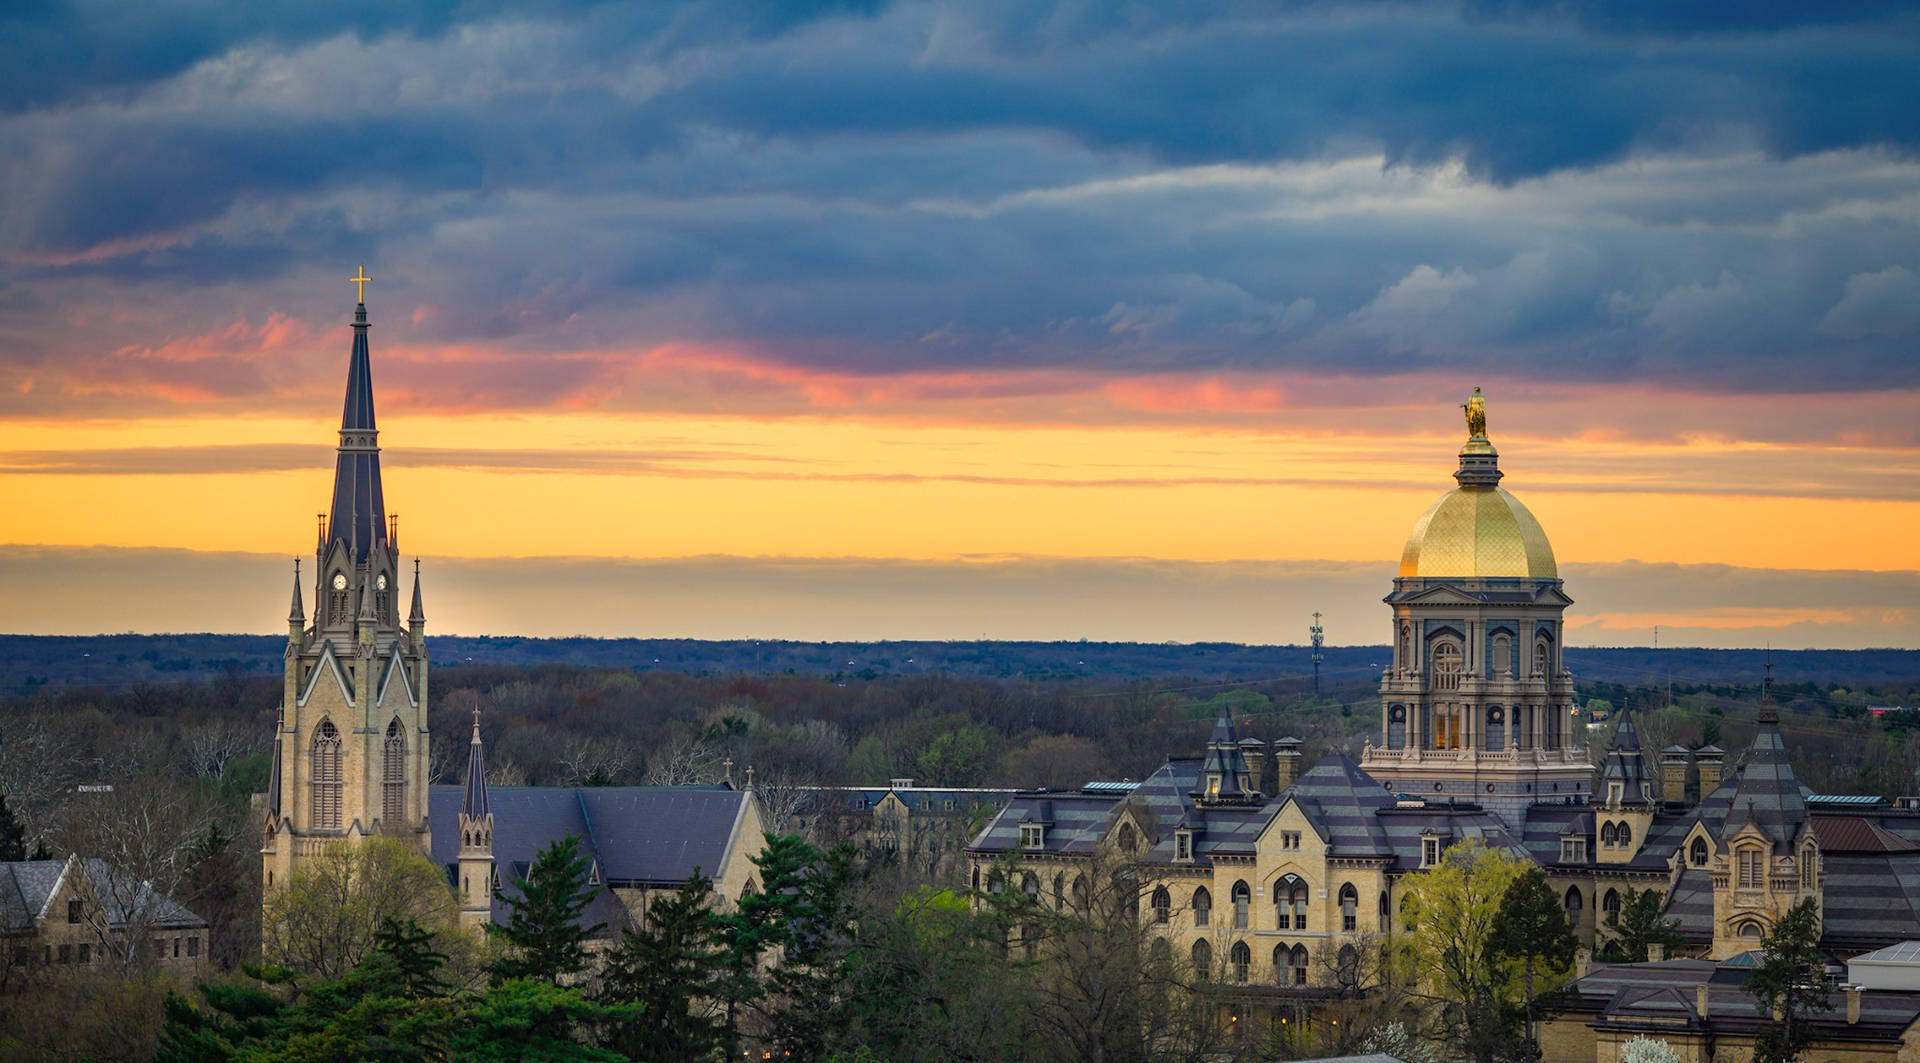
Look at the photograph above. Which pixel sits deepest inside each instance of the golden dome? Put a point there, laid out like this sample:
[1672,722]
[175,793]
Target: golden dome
[1477,530]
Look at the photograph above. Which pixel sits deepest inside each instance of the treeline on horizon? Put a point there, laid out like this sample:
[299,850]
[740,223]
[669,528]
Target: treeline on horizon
[35,662]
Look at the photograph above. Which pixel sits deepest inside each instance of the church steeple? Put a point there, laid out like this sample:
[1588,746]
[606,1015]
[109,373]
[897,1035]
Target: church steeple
[297,616]
[359,513]
[476,837]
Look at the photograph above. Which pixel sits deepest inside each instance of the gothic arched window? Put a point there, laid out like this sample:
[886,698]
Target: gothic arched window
[1808,863]
[1030,885]
[1575,904]
[1540,658]
[1625,837]
[1607,834]
[1349,907]
[1610,904]
[1162,906]
[393,774]
[1446,666]
[1242,900]
[1299,958]
[1349,966]
[324,770]
[1290,904]
[1202,958]
[1081,900]
[1751,870]
[1240,958]
[1202,908]
[1697,852]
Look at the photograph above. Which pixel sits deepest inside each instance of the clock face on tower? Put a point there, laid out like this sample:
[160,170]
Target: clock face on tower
[339,581]
[380,583]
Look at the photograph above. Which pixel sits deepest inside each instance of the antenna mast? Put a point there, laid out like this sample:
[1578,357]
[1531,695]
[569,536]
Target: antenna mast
[1318,638]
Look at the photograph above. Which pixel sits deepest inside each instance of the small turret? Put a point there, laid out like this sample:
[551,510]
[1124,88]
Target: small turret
[476,838]
[297,615]
[366,621]
[417,620]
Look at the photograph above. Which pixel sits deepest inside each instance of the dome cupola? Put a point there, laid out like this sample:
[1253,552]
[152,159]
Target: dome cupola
[1478,530]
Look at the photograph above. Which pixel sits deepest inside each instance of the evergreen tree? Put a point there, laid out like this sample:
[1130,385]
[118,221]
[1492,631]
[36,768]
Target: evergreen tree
[416,963]
[1531,932]
[668,967]
[810,977]
[1640,923]
[13,836]
[763,920]
[1791,981]
[543,922]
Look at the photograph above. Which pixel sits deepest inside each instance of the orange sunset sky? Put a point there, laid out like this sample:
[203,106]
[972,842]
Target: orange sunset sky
[916,322]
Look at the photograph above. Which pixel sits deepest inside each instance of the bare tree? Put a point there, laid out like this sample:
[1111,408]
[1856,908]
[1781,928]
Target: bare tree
[211,746]
[140,839]
[686,758]
[783,794]
[586,761]
[37,760]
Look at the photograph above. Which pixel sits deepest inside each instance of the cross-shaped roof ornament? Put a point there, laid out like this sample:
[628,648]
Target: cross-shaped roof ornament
[361,279]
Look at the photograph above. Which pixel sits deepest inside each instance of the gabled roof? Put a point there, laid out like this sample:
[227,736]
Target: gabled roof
[27,887]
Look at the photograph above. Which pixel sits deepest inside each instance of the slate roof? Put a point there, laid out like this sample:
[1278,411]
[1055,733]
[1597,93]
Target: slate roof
[1762,790]
[652,836]
[1660,995]
[27,885]
[359,512]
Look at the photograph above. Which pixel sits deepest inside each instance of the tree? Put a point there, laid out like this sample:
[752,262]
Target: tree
[1531,932]
[543,925]
[416,963]
[1640,923]
[1789,982]
[667,967]
[13,836]
[327,917]
[1456,905]
[762,920]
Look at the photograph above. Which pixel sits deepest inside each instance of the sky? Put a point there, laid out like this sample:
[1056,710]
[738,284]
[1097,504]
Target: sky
[1003,319]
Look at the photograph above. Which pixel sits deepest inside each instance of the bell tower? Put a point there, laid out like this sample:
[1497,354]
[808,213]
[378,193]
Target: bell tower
[350,752]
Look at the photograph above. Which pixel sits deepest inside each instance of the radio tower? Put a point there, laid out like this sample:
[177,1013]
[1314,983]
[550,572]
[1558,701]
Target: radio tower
[1317,656]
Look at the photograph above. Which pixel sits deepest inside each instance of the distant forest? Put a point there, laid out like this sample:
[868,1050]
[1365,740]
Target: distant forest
[29,663]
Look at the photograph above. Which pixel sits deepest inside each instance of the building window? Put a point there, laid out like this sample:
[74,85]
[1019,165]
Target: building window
[1610,905]
[1202,959]
[193,946]
[1240,957]
[1573,850]
[1349,966]
[1429,851]
[73,911]
[1183,845]
[86,953]
[1242,900]
[1750,877]
[1032,835]
[66,954]
[1162,906]
[1446,666]
[1697,852]
[1502,655]
[1349,908]
[1081,901]
[1575,905]
[1289,839]
[1625,838]
[1607,835]
[1540,659]
[1202,908]
[325,769]
[393,797]
[1299,957]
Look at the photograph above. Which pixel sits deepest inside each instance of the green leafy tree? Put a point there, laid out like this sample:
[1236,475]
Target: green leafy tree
[1790,981]
[327,917]
[667,967]
[1640,923]
[1531,933]
[962,756]
[1456,905]
[543,928]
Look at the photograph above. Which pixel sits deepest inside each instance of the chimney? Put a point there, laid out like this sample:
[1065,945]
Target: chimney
[1674,762]
[1254,752]
[1582,962]
[1700,996]
[1656,952]
[1711,760]
[1853,1004]
[1286,762]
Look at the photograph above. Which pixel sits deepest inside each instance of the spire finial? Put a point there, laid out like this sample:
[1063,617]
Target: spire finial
[1479,462]
[476,725]
[361,279]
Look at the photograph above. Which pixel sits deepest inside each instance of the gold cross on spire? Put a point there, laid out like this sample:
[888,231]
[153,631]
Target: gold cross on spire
[361,280]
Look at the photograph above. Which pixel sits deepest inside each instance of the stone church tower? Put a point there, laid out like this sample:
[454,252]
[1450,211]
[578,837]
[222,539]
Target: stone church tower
[1477,705]
[350,755]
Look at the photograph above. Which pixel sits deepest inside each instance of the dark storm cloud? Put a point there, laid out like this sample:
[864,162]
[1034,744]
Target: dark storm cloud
[1714,197]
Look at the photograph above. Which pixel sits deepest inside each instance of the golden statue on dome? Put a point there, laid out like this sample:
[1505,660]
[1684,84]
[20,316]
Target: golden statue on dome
[1476,407]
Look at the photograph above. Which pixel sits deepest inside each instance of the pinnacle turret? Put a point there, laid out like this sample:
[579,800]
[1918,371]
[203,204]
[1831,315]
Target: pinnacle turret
[419,614]
[297,615]
[473,803]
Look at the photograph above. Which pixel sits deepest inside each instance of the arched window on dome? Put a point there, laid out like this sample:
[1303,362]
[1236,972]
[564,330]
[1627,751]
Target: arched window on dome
[1446,666]
[1542,659]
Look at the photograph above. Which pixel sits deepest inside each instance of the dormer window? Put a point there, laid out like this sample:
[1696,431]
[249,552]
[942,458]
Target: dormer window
[1429,851]
[1032,836]
[1183,845]
[1613,793]
[1573,850]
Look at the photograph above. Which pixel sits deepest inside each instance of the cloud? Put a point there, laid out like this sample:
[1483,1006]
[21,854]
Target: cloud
[86,591]
[1886,303]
